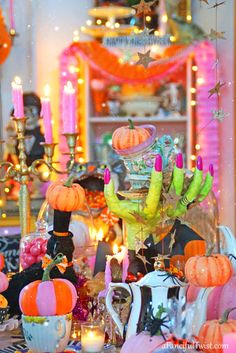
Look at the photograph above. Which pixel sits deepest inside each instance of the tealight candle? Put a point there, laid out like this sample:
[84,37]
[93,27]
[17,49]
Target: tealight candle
[92,338]
[46,114]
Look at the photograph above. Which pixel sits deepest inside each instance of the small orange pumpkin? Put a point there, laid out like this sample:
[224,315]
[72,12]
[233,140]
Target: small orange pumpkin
[50,296]
[3,302]
[65,196]
[126,137]
[211,333]
[209,270]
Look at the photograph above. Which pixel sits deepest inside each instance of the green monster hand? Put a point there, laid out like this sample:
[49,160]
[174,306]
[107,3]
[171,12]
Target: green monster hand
[142,217]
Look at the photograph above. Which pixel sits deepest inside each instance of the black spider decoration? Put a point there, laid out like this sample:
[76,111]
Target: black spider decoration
[177,281]
[154,323]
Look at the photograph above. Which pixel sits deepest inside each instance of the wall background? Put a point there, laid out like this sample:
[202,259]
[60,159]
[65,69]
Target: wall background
[46,27]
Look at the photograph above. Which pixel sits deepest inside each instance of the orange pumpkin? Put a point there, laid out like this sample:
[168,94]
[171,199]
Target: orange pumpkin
[2,262]
[211,333]
[5,40]
[209,270]
[126,137]
[65,196]
[48,297]
[3,302]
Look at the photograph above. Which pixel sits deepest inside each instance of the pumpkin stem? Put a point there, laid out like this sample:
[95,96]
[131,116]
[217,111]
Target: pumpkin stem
[69,181]
[57,259]
[225,315]
[209,251]
[131,124]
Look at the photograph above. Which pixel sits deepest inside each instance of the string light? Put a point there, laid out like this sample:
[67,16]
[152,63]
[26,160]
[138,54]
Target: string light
[76,36]
[189,18]
[81,160]
[108,24]
[4,215]
[89,22]
[193,157]
[117,25]
[7,190]
[200,80]
[156,33]
[82,28]
[197,147]
[148,18]
[1,203]
[193,103]
[164,18]
[194,68]
[80,81]
[172,38]
[99,22]
[193,90]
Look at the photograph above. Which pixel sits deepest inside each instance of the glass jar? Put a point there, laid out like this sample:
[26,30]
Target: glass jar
[34,245]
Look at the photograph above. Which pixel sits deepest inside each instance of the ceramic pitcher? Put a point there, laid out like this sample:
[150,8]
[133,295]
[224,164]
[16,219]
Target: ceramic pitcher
[152,290]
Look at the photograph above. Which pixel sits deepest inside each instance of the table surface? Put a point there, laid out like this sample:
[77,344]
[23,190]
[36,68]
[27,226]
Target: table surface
[14,337]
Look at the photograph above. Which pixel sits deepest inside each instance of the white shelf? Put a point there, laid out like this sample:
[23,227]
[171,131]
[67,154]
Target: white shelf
[148,119]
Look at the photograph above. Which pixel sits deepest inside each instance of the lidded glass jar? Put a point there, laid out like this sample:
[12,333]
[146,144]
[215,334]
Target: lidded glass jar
[34,245]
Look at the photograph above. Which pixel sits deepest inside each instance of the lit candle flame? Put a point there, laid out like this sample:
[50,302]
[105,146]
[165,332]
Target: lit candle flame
[100,234]
[47,90]
[115,249]
[17,80]
[68,88]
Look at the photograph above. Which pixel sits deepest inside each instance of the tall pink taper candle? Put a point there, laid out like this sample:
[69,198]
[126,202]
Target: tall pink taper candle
[17,97]
[69,109]
[47,115]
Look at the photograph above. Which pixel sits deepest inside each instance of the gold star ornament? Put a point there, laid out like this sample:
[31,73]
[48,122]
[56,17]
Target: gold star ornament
[144,59]
[143,7]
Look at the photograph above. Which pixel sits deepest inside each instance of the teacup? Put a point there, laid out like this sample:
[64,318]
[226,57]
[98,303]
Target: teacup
[47,333]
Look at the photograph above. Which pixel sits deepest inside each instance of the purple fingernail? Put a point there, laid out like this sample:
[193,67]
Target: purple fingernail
[107,176]
[211,169]
[179,161]
[158,163]
[199,163]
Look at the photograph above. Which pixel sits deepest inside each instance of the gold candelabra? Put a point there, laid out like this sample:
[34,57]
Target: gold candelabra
[22,172]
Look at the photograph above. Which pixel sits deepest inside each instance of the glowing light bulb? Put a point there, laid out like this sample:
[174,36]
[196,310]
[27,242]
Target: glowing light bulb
[172,38]
[89,22]
[156,33]
[148,18]
[193,103]
[193,90]
[189,18]
[197,147]
[194,68]
[99,22]
[193,157]
[200,80]
[80,81]
[164,18]
[117,25]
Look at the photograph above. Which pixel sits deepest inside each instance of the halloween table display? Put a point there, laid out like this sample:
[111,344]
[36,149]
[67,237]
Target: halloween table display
[60,241]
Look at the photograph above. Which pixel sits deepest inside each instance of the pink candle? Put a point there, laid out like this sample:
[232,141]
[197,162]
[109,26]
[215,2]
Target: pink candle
[229,343]
[122,258]
[47,115]
[11,15]
[17,98]
[69,109]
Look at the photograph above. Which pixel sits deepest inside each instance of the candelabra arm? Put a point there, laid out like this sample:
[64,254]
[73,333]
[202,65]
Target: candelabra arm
[34,169]
[8,171]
